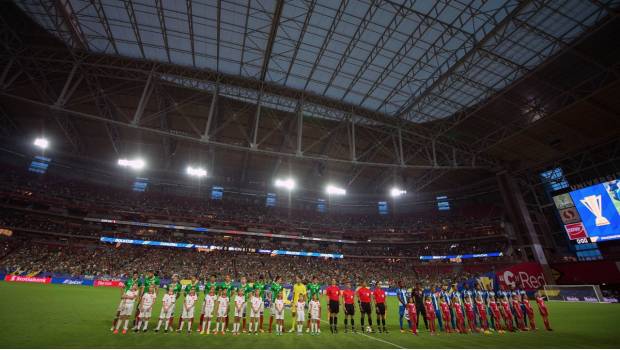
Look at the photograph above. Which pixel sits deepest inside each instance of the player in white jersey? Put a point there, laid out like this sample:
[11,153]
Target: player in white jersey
[189,304]
[300,309]
[126,308]
[315,314]
[256,304]
[222,312]
[145,308]
[279,313]
[239,310]
[207,310]
[167,307]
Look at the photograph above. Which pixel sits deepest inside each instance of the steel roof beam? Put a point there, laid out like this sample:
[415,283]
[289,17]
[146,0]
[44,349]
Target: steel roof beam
[275,22]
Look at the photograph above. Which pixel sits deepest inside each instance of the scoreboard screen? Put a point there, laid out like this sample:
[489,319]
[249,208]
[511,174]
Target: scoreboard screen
[39,164]
[217,192]
[591,214]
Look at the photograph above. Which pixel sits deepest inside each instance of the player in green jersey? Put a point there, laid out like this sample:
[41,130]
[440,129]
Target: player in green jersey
[130,282]
[260,286]
[275,287]
[147,281]
[177,288]
[247,289]
[208,286]
[226,286]
[314,288]
[194,283]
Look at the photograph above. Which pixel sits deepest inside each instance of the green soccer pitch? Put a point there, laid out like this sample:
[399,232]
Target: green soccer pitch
[35,316]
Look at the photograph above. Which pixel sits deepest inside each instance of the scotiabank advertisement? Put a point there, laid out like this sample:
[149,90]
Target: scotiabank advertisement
[528,276]
[27,279]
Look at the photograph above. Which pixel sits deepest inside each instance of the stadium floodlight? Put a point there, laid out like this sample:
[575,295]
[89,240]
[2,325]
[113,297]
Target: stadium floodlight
[196,172]
[135,164]
[41,142]
[335,190]
[288,183]
[397,192]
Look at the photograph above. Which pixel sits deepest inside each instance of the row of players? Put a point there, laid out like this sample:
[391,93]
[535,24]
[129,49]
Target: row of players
[449,310]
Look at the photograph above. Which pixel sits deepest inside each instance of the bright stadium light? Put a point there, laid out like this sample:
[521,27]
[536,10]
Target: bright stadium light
[334,190]
[135,164]
[397,192]
[41,142]
[196,172]
[288,184]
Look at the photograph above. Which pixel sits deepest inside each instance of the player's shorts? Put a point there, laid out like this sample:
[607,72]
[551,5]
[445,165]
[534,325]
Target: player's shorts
[315,315]
[279,315]
[188,313]
[127,309]
[255,314]
[145,313]
[334,306]
[301,317]
[380,309]
[365,308]
[207,311]
[222,312]
[240,313]
[164,315]
[349,309]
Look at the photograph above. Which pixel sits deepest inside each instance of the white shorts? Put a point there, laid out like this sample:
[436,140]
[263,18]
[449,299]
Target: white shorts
[188,313]
[208,311]
[279,315]
[301,316]
[315,316]
[222,313]
[127,309]
[255,314]
[164,315]
[145,313]
[241,312]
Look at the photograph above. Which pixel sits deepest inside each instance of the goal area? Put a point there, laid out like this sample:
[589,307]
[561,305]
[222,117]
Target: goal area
[589,293]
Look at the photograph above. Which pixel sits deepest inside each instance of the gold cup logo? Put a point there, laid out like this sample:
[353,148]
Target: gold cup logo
[595,206]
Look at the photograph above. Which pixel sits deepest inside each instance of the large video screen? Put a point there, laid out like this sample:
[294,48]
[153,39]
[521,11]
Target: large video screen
[592,213]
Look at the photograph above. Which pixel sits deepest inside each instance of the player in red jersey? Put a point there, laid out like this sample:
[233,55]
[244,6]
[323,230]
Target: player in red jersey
[430,314]
[507,314]
[333,296]
[496,315]
[542,308]
[445,314]
[363,295]
[412,316]
[348,299]
[458,313]
[470,313]
[516,306]
[529,310]
[379,296]
[482,314]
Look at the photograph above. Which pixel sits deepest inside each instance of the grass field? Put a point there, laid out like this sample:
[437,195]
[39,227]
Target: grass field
[74,316]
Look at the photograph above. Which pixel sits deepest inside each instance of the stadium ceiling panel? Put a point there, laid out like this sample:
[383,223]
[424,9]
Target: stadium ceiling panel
[415,60]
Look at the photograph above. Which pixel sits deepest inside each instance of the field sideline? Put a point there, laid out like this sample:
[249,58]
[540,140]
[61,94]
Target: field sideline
[75,316]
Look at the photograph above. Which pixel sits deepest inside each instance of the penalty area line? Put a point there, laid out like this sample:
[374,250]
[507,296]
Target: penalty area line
[374,338]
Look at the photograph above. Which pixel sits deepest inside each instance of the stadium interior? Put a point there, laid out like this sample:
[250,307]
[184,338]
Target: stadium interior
[385,141]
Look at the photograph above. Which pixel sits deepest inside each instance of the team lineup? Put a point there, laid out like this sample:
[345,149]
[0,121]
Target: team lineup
[442,310]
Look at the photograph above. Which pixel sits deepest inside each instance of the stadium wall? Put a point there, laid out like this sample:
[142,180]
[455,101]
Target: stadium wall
[588,272]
